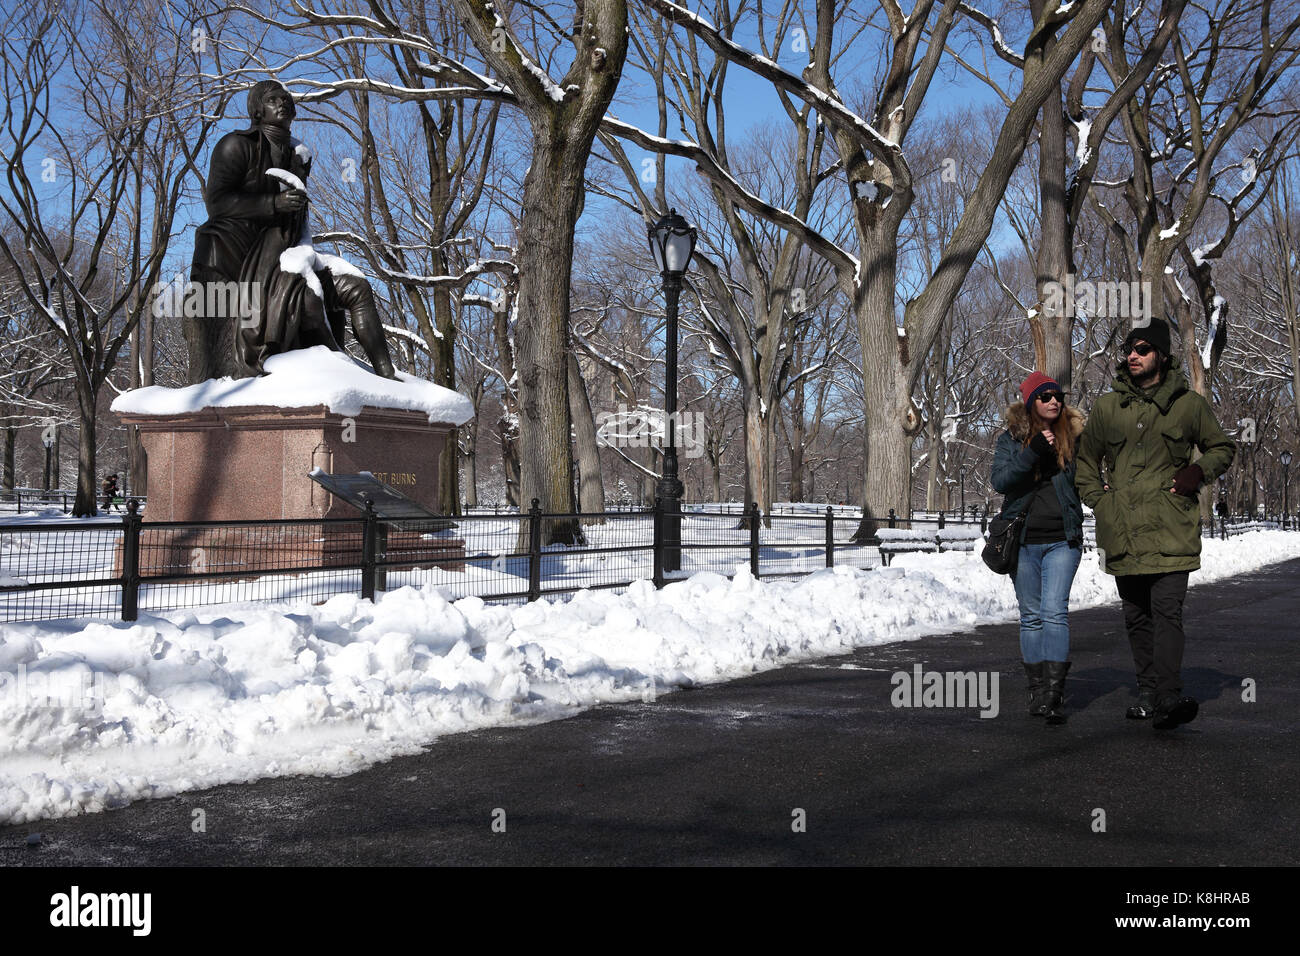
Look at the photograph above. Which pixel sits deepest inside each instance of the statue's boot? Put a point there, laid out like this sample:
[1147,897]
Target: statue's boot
[356,297]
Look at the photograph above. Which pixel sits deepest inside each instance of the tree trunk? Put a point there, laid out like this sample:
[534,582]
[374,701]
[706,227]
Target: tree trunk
[552,192]
[443,350]
[1055,259]
[136,465]
[756,451]
[890,418]
[591,488]
[85,504]
[11,444]
[507,430]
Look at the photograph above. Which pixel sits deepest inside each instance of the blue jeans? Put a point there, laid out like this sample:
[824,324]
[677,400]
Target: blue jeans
[1044,573]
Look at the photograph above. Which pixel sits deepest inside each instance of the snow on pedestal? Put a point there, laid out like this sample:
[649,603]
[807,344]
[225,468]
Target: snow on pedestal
[302,379]
[229,449]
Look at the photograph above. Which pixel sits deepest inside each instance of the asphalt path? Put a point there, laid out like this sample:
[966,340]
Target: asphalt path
[809,764]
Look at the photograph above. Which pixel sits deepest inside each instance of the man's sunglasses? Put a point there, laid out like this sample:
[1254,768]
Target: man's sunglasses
[1141,348]
[1052,397]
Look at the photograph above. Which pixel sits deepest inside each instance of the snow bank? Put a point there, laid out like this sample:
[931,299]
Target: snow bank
[95,715]
[301,379]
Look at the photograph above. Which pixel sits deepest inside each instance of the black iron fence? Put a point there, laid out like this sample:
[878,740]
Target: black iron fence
[19,500]
[106,567]
[120,567]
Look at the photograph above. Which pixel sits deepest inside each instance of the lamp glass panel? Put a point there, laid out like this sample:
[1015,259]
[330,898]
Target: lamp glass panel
[678,252]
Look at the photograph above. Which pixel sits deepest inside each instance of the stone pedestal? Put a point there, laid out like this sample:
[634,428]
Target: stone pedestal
[251,463]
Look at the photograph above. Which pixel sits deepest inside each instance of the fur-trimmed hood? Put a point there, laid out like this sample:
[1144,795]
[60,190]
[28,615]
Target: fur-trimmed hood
[1017,420]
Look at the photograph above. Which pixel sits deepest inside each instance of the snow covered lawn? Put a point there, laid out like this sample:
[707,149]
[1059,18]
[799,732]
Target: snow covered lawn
[95,715]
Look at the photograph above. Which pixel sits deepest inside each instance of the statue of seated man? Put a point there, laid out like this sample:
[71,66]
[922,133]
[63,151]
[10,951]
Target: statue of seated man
[253,219]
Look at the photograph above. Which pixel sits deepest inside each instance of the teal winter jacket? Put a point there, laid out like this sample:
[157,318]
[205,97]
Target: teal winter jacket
[1013,472]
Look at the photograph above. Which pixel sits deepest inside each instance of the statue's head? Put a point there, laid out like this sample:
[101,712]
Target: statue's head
[271,102]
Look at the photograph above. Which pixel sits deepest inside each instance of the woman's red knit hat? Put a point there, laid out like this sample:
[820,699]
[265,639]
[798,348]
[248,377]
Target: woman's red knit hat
[1036,383]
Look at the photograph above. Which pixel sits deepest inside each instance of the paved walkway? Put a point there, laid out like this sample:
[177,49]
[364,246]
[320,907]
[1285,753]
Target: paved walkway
[719,775]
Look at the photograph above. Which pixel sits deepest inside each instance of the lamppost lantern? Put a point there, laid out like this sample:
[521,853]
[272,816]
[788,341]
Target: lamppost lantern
[1286,459]
[672,241]
[47,439]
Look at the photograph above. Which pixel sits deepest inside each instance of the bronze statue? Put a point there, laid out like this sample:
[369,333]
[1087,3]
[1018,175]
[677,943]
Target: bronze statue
[254,218]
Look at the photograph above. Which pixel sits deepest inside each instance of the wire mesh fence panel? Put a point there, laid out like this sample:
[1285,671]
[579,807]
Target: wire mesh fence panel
[187,565]
[849,551]
[616,552]
[481,555]
[714,540]
[59,569]
[791,544]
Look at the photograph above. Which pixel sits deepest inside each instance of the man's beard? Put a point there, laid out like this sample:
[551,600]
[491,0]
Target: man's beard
[1147,380]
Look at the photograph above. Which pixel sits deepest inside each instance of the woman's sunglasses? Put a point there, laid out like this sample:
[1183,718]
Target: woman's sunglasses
[1052,397]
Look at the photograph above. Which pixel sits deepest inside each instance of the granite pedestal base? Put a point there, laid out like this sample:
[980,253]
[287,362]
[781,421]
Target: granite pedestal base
[251,464]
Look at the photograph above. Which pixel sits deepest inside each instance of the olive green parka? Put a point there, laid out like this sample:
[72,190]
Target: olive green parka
[1144,438]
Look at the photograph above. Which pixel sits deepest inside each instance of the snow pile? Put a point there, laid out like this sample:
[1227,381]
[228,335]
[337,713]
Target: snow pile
[301,379]
[95,715]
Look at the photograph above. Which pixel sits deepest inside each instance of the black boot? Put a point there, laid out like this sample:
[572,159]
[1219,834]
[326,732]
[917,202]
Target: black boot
[1055,701]
[357,298]
[1037,677]
[1145,708]
[1172,711]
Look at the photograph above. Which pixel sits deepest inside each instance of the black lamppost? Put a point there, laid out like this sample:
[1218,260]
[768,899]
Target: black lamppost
[962,471]
[47,439]
[672,240]
[1285,458]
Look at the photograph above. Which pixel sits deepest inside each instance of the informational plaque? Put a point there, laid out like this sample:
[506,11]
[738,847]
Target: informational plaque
[390,504]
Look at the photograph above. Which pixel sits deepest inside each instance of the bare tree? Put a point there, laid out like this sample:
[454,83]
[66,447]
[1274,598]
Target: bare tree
[112,159]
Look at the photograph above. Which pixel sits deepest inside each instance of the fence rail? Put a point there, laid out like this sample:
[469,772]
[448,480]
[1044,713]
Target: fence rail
[111,567]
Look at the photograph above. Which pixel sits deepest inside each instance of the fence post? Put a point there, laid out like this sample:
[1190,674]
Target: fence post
[131,561]
[657,562]
[892,518]
[18,502]
[830,537]
[368,529]
[940,520]
[754,517]
[535,550]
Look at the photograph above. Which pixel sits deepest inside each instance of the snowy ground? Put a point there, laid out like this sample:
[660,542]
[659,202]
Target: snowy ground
[95,715]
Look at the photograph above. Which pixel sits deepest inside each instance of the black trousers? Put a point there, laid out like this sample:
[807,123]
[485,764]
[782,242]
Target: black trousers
[1153,614]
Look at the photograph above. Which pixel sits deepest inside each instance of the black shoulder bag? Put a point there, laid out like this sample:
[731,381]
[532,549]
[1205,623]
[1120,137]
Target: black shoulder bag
[1003,546]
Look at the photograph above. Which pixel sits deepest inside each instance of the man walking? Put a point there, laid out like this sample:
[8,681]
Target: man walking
[1148,519]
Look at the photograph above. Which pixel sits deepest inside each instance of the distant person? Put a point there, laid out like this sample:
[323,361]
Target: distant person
[110,492]
[1148,520]
[1033,467]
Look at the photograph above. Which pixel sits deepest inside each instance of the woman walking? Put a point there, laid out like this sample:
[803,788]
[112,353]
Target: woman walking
[1033,467]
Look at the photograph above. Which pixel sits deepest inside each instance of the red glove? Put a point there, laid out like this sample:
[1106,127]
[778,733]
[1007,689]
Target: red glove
[1188,480]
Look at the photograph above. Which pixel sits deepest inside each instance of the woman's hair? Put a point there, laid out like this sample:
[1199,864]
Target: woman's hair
[1060,428]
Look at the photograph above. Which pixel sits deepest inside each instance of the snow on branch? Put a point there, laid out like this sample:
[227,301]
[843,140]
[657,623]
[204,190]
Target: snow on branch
[870,138]
[995,34]
[843,261]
